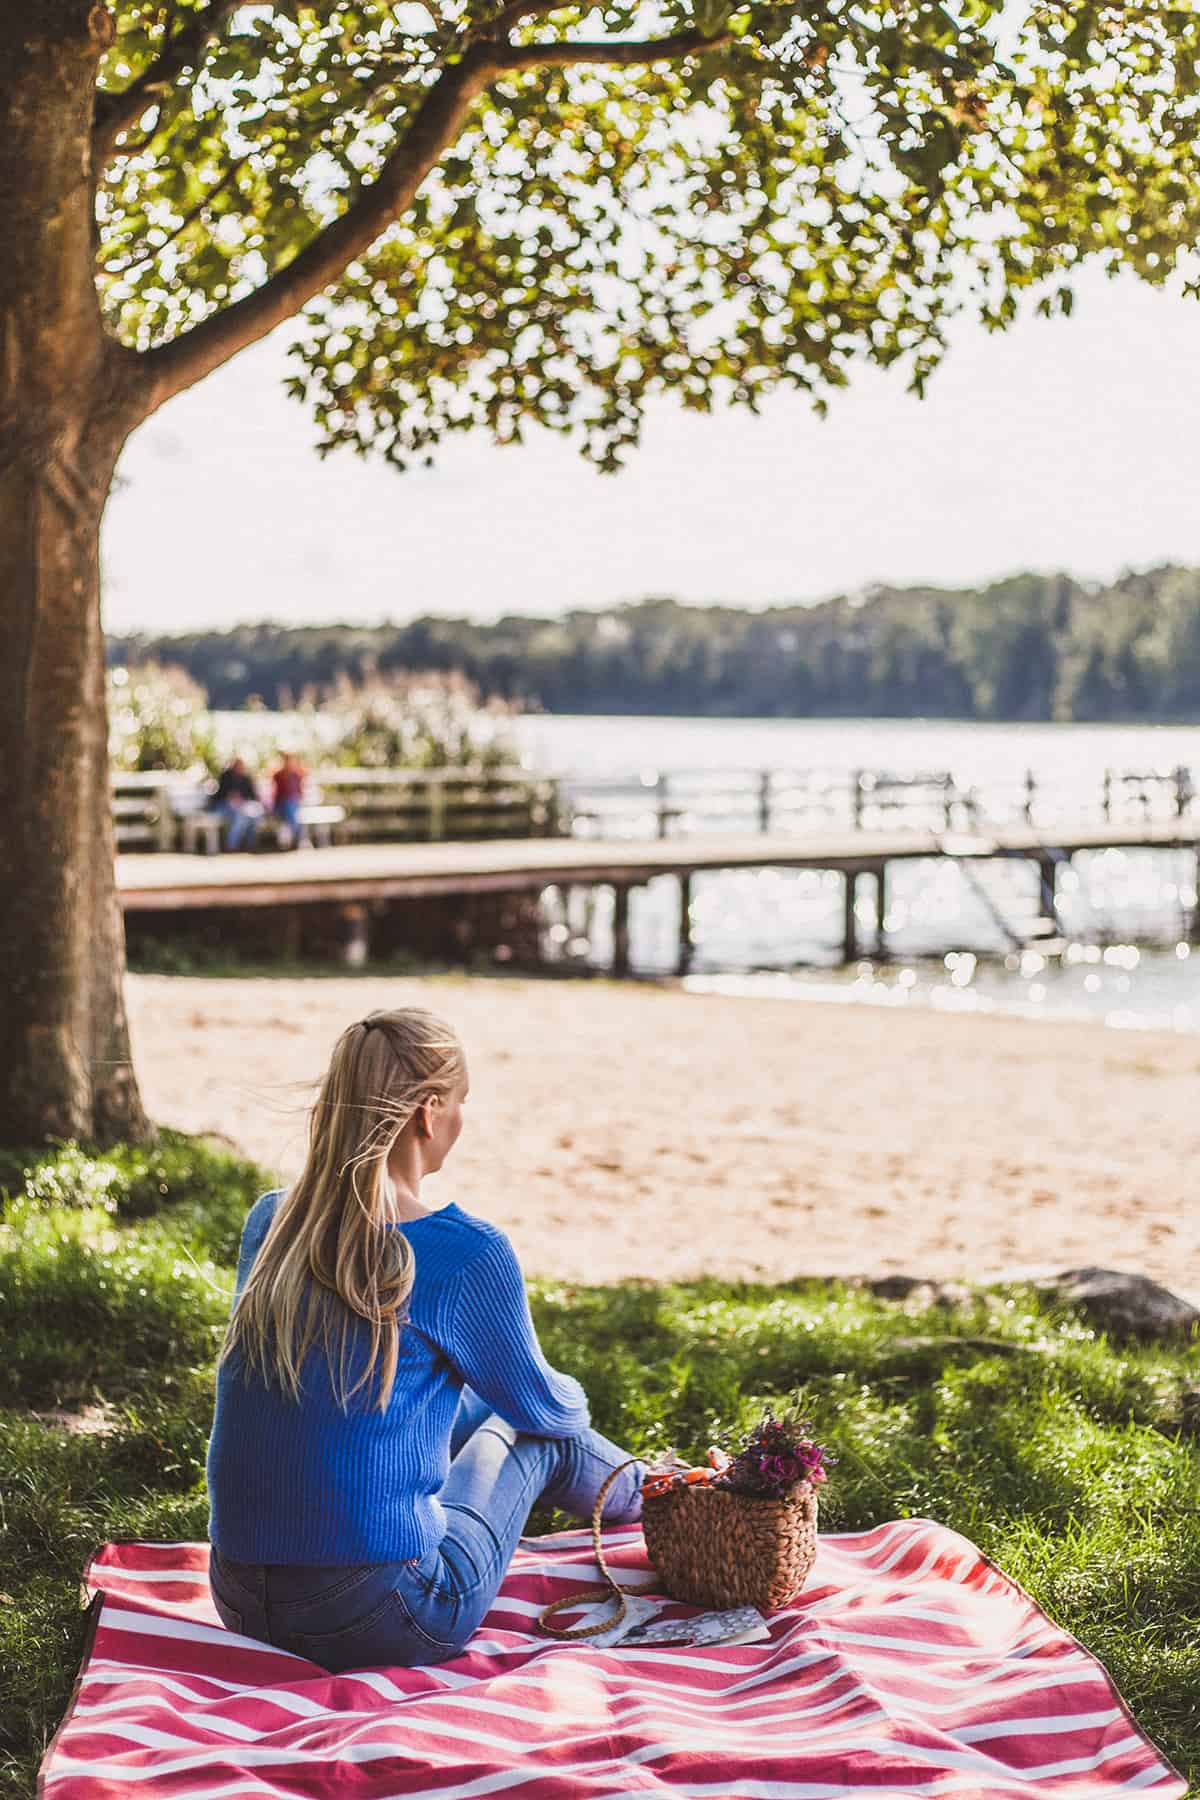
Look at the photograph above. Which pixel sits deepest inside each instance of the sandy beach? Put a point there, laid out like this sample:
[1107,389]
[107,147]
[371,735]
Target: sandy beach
[623,1130]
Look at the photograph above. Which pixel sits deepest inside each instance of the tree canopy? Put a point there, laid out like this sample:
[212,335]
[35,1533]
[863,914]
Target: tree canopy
[487,213]
[499,212]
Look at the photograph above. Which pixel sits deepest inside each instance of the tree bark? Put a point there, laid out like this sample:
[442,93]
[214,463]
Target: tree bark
[67,403]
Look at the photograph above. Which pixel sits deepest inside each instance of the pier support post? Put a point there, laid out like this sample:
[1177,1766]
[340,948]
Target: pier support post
[764,801]
[620,959]
[288,932]
[355,936]
[662,805]
[685,924]
[850,939]
[1047,869]
[881,947]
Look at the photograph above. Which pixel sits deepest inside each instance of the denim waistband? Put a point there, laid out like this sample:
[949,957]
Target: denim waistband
[291,1583]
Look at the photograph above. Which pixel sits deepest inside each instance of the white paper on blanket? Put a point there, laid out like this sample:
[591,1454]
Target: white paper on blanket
[637,1611]
[739,1625]
[643,1625]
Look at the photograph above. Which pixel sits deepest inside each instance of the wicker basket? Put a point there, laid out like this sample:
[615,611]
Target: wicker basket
[714,1547]
[711,1547]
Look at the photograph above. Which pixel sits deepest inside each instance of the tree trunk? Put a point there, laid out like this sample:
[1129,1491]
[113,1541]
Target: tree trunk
[68,400]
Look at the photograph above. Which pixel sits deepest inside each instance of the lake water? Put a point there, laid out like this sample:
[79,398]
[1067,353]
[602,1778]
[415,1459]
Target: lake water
[976,753]
[778,932]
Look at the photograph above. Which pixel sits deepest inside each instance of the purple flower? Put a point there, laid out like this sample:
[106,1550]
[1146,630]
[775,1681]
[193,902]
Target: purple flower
[779,1471]
[777,1455]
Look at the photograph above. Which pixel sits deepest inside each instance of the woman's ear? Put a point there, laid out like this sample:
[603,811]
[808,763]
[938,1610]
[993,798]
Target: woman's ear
[425,1117]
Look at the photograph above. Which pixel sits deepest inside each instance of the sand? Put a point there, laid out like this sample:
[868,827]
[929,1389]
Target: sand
[618,1130]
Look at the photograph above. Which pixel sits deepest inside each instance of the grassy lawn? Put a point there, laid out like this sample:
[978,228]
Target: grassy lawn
[1061,1455]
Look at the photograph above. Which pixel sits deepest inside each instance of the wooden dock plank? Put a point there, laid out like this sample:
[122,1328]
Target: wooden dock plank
[162,882]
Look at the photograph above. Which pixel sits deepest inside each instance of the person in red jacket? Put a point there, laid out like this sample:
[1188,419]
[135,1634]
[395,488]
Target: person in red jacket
[287,794]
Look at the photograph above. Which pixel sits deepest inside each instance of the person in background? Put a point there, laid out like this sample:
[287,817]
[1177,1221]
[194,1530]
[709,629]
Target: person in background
[237,804]
[287,794]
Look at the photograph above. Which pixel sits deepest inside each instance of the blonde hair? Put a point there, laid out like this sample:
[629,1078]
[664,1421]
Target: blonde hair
[329,1256]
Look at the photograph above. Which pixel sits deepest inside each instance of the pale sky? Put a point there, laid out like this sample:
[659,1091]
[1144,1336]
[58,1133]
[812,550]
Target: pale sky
[1070,444]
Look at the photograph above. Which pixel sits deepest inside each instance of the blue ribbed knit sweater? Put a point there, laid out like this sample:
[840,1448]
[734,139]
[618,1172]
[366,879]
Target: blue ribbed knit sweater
[306,1482]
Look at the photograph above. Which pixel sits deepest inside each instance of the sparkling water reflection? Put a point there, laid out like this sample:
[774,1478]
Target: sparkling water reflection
[778,932]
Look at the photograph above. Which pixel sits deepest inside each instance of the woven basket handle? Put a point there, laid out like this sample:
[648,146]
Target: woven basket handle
[616,1591]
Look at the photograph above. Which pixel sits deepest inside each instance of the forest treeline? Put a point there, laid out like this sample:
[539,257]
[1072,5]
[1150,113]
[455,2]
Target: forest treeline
[1029,647]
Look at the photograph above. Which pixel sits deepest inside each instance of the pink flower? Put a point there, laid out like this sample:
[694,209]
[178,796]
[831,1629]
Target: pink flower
[781,1469]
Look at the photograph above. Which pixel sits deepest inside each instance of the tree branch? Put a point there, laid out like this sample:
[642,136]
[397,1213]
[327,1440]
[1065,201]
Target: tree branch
[563,55]
[168,369]
[188,358]
[115,113]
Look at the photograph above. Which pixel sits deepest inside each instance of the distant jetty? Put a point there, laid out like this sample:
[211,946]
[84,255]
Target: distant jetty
[358,887]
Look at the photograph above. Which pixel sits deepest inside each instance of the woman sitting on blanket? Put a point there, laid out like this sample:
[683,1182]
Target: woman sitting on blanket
[385,1418]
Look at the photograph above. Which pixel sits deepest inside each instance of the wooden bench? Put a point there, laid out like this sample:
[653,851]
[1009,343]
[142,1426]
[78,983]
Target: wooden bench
[318,822]
[162,810]
[142,816]
[199,827]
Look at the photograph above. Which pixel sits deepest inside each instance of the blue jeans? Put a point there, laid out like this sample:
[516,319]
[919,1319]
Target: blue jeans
[288,813]
[240,824]
[424,1611]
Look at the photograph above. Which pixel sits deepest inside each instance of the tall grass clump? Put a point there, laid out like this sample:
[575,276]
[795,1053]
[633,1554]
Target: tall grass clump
[158,719]
[430,721]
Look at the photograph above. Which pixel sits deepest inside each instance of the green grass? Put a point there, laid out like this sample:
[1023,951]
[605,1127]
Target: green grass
[1060,1454]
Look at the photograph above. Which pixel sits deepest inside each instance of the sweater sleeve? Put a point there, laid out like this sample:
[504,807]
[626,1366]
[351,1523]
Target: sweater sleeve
[494,1345]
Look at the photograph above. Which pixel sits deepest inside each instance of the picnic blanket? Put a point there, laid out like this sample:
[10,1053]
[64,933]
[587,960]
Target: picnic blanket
[910,1664]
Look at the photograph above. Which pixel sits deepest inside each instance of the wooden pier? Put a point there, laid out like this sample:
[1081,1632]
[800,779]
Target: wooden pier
[363,878]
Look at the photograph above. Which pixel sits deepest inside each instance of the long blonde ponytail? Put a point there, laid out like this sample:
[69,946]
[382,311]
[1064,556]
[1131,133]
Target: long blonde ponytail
[329,1256]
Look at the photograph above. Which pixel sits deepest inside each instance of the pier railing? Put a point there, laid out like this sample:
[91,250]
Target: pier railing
[430,805]
[666,803]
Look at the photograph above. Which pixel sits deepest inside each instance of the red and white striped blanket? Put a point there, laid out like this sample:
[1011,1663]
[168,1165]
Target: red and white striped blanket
[910,1665]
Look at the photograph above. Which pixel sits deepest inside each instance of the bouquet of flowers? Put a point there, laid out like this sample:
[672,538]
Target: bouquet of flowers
[779,1452]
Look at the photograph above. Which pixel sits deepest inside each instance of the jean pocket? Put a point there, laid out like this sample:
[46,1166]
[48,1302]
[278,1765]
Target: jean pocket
[440,1632]
[387,1634]
[432,1577]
